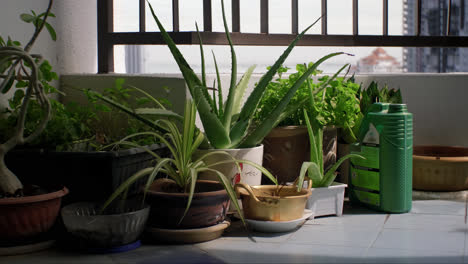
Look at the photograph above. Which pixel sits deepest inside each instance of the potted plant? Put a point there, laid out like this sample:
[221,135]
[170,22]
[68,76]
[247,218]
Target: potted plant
[228,124]
[335,104]
[327,196]
[78,134]
[26,212]
[181,205]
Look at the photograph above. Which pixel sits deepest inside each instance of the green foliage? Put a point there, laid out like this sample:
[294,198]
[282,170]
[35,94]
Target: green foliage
[96,124]
[335,105]
[228,124]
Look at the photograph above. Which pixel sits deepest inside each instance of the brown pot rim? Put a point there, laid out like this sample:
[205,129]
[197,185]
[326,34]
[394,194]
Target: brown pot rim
[195,195]
[34,198]
[444,158]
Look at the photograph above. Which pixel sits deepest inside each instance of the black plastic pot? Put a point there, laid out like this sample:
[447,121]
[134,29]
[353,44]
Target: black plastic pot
[90,176]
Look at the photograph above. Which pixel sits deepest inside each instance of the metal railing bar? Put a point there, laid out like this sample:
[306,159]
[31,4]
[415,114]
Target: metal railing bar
[324,17]
[235,16]
[142,15]
[355,18]
[295,16]
[219,38]
[207,17]
[418,17]
[264,16]
[105,49]
[175,15]
[385,18]
[449,16]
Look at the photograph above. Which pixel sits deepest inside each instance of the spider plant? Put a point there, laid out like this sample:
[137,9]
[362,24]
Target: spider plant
[227,124]
[182,143]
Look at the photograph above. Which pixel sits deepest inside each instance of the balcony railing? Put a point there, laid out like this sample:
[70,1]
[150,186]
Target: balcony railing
[107,38]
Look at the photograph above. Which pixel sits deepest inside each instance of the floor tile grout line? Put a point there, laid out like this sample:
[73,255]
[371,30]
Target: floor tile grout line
[376,237]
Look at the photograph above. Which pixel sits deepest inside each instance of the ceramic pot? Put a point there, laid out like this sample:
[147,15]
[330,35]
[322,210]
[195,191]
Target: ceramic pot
[440,168]
[122,226]
[265,204]
[209,205]
[249,175]
[25,217]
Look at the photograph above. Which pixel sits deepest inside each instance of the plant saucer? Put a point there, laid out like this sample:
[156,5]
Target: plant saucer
[278,226]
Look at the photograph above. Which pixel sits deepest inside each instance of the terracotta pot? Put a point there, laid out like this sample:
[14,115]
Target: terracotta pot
[209,206]
[25,217]
[440,168]
[286,148]
[262,203]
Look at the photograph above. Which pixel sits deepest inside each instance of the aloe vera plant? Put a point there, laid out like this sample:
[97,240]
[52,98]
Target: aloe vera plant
[228,124]
[182,142]
[314,167]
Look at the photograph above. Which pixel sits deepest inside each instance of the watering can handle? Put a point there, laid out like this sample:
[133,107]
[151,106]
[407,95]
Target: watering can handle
[247,188]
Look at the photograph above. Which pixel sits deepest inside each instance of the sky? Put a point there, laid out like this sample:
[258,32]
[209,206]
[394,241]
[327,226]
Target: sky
[158,59]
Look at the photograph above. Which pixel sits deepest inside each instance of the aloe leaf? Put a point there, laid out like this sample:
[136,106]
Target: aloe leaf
[313,147]
[252,101]
[215,104]
[267,125]
[190,77]
[202,54]
[228,110]
[313,173]
[220,90]
[330,175]
[240,90]
[214,129]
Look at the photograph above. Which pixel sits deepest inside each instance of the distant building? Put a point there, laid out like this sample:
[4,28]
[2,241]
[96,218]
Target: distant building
[434,23]
[378,61]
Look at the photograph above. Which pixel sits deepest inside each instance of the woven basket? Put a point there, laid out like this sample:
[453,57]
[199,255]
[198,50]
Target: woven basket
[440,168]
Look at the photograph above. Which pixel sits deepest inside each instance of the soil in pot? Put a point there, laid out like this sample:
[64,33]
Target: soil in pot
[210,204]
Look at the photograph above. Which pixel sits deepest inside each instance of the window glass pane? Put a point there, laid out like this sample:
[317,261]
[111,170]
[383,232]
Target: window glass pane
[279,17]
[163,9]
[340,17]
[250,16]
[126,18]
[309,11]
[217,15]
[190,11]
[395,17]
[370,17]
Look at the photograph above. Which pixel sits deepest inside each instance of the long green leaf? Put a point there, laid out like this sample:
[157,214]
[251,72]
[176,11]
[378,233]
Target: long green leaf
[313,173]
[240,90]
[214,129]
[267,125]
[229,107]
[193,181]
[220,91]
[330,175]
[157,112]
[252,101]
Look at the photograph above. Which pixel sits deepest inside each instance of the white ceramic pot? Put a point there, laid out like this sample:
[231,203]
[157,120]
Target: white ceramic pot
[327,200]
[249,175]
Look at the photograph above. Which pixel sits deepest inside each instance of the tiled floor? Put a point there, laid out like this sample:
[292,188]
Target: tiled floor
[435,231]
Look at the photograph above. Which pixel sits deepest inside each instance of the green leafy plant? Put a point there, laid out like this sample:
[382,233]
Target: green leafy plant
[366,98]
[335,104]
[32,75]
[182,143]
[229,124]
[314,167]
